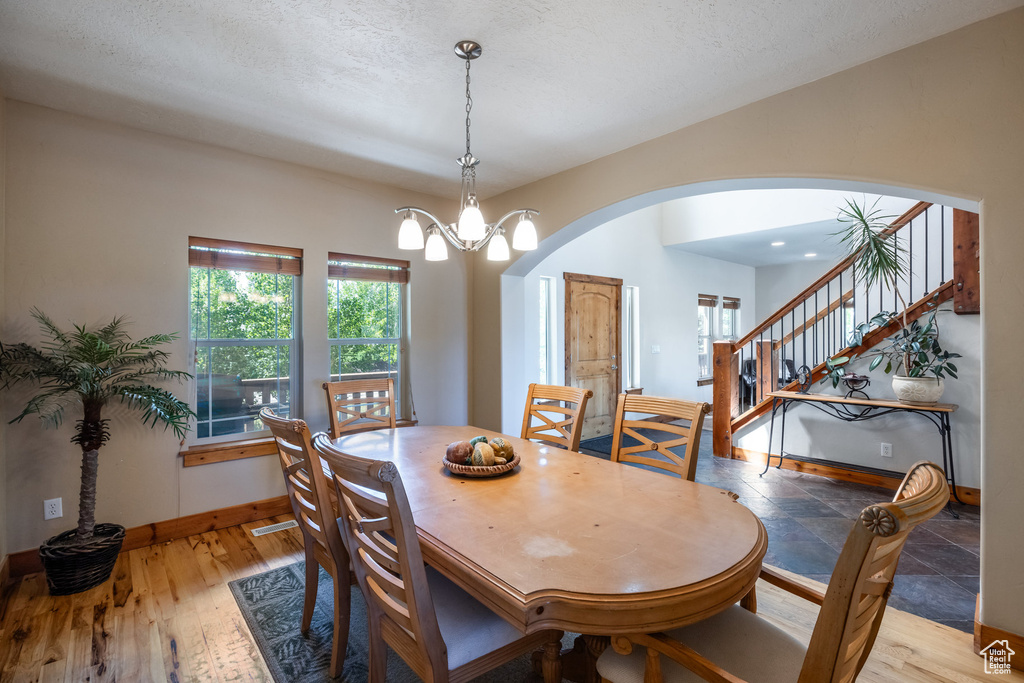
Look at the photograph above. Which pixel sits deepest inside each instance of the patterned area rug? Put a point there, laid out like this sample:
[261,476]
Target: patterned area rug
[271,603]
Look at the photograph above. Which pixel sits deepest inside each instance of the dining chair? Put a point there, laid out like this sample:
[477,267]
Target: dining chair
[441,631]
[657,453]
[737,645]
[554,415]
[360,405]
[309,494]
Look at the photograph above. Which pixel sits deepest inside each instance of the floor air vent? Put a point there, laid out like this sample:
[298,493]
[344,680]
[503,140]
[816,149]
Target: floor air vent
[274,527]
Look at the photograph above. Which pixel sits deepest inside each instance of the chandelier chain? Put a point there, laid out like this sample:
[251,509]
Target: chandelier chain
[470,232]
[469,107]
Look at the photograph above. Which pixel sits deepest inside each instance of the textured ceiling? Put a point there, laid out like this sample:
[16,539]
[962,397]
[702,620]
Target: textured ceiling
[371,88]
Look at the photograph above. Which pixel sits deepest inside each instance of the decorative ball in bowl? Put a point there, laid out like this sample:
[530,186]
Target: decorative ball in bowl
[480,458]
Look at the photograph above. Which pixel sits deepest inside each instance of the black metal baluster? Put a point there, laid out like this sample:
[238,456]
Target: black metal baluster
[944,243]
[814,330]
[895,285]
[803,332]
[910,262]
[927,252]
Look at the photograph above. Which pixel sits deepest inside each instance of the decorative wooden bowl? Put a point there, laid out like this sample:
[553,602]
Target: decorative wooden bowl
[480,470]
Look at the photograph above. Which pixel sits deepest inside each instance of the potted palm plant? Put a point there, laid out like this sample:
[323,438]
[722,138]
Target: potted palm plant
[88,369]
[915,349]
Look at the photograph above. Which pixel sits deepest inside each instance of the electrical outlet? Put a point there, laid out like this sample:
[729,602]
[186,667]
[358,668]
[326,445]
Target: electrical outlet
[52,509]
[655,348]
[886,450]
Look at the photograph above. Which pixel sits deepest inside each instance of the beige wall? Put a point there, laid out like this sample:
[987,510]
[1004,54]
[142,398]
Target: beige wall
[98,218]
[943,116]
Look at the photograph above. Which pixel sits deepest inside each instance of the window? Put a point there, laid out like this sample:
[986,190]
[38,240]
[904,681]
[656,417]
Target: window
[243,325]
[730,317]
[365,309]
[547,326]
[631,338]
[706,305]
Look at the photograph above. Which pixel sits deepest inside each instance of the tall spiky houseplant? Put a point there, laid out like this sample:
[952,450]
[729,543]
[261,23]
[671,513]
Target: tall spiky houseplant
[880,259]
[88,369]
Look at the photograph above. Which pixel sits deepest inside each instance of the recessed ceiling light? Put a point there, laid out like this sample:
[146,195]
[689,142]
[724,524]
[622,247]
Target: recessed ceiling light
[777,244]
[810,255]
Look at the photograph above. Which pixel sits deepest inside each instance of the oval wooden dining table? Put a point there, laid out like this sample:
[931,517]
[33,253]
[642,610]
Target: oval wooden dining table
[570,541]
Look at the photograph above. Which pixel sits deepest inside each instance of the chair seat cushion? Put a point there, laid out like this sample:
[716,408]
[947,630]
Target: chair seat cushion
[742,643]
[469,629]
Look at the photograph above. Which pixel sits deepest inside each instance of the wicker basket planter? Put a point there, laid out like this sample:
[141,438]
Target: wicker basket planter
[75,567]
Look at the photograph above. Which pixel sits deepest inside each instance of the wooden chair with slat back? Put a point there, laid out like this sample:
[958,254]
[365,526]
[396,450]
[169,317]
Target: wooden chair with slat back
[360,405]
[737,645]
[660,456]
[310,495]
[442,632]
[550,419]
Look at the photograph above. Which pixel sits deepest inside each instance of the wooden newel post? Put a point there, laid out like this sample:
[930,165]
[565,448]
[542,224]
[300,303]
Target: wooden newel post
[726,396]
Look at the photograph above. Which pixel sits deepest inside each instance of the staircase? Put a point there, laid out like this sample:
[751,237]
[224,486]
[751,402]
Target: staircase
[816,325]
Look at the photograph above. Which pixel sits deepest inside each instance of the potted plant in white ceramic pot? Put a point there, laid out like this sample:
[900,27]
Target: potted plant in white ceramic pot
[88,369]
[914,350]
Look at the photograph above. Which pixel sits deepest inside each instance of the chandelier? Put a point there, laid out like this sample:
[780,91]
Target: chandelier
[470,232]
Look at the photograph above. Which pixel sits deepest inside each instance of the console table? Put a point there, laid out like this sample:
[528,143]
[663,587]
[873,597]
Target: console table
[855,409]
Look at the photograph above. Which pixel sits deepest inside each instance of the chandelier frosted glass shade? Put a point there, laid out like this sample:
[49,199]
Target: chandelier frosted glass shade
[436,250]
[525,237]
[410,235]
[471,222]
[497,250]
[470,232]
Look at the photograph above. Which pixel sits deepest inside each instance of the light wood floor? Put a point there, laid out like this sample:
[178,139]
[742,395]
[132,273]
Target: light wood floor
[167,615]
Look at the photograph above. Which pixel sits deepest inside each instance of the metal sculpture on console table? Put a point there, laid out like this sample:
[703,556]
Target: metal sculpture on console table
[803,379]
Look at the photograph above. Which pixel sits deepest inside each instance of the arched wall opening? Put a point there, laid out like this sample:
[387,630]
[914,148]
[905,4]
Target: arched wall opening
[666,312]
[941,116]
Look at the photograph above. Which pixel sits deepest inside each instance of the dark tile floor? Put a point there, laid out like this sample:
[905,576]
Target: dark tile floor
[808,518]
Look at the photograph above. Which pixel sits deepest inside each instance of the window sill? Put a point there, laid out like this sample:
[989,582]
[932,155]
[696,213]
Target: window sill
[207,454]
[705,382]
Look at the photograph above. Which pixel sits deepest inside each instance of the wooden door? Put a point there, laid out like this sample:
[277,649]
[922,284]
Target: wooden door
[593,345]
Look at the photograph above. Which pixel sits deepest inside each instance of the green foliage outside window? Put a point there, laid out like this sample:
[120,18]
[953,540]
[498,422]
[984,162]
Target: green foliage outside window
[368,311]
[228,306]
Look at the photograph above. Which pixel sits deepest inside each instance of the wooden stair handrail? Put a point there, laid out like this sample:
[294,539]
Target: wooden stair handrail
[941,294]
[903,220]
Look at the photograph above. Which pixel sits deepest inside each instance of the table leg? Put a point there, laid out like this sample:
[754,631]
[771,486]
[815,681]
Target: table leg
[580,663]
[947,452]
[771,431]
[551,662]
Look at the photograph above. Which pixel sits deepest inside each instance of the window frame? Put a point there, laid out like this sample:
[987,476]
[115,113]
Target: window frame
[730,303]
[709,302]
[353,267]
[546,336]
[229,255]
[631,338]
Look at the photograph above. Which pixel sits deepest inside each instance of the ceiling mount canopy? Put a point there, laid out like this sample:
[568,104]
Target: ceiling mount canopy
[470,232]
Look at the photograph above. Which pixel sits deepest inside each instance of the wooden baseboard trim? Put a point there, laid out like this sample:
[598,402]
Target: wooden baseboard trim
[985,635]
[5,571]
[968,495]
[27,561]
